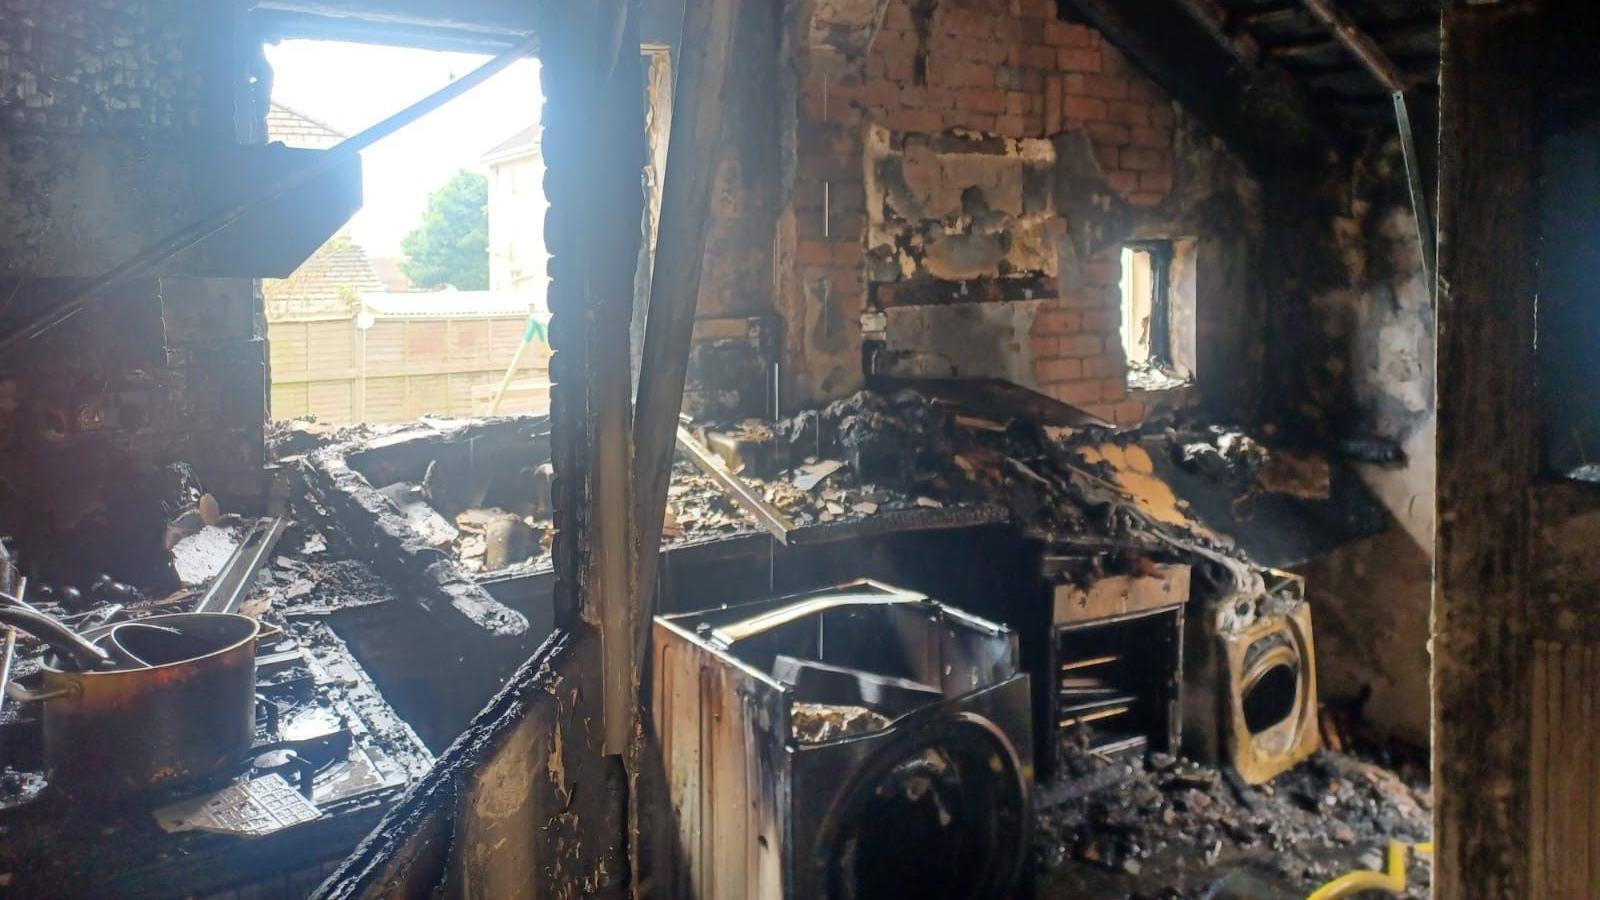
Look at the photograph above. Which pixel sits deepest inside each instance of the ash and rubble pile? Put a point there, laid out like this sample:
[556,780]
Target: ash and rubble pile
[814,723]
[1174,822]
[870,454]
[875,452]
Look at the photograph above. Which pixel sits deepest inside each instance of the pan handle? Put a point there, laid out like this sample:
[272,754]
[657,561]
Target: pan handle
[66,642]
[23,695]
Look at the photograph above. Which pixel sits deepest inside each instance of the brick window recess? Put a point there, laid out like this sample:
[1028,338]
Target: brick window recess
[1156,287]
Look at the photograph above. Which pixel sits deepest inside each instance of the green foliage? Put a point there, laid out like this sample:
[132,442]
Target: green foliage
[451,246]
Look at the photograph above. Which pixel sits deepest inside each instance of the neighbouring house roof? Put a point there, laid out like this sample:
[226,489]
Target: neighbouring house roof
[448,303]
[523,143]
[296,129]
[388,269]
[332,281]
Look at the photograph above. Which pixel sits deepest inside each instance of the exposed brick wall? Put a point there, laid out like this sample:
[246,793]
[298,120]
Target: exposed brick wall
[125,65]
[1077,347]
[1005,67]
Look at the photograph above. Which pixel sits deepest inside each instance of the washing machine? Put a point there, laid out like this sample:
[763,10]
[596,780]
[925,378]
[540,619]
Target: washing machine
[1250,694]
[861,741]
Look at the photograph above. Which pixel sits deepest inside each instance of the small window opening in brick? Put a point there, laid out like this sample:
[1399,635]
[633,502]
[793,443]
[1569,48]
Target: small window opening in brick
[1157,286]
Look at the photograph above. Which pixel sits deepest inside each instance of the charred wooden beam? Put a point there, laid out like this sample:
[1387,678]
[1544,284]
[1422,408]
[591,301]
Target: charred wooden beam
[594,150]
[692,154]
[1215,19]
[1259,112]
[613,237]
[1360,44]
[1487,455]
[1301,49]
[528,802]
[430,579]
[1283,15]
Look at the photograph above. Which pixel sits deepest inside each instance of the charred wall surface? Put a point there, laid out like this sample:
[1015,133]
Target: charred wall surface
[142,65]
[162,370]
[963,176]
[1350,362]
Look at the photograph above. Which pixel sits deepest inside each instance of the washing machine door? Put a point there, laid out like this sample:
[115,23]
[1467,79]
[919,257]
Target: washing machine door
[941,810]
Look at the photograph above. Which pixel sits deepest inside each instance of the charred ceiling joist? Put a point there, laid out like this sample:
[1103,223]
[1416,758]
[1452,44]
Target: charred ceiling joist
[1260,112]
[1382,68]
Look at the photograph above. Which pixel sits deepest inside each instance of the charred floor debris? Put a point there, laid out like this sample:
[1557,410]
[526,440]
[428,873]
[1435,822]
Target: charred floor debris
[1158,680]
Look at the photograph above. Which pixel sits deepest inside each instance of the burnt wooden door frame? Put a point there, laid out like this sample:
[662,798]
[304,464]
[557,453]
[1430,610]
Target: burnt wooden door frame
[1486,448]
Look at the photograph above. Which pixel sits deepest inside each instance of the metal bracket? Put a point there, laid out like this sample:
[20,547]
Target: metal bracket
[1419,196]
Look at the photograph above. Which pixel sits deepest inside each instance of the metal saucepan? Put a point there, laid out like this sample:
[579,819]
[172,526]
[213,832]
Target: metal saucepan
[186,713]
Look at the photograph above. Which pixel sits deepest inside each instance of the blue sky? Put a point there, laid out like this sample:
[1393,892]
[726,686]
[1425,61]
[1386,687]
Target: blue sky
[351,86]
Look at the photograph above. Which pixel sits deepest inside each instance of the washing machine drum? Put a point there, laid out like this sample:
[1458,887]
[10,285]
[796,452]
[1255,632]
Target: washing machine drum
[942,811]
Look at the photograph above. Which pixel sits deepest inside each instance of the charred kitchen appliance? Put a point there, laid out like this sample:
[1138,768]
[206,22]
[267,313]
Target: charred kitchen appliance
[1115,656]
[1252,675]
[859,741]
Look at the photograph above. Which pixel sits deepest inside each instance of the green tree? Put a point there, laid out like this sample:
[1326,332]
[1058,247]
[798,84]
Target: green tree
[451,246]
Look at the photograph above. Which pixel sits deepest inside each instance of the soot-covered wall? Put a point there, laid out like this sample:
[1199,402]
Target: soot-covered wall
[161,370]
[1352,359]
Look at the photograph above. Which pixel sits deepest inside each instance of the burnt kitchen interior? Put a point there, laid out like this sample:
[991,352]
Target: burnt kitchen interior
[967,448]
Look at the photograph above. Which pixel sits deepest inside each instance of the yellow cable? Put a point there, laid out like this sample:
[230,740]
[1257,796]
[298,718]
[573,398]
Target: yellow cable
[1392,880]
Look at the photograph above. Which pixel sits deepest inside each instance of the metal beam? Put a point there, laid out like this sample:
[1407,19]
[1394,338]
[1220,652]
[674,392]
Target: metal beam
[1418,191]
[238,574]
[693,150]
[1358,42]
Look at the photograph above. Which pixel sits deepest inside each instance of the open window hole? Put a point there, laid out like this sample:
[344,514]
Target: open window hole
[1157,284]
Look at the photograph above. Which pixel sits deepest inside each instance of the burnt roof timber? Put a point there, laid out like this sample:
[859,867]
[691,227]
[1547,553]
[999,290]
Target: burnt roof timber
[1358,42]
[1404,47]
[1416,66]
[1217,22]
[1290,15]
[1258,111]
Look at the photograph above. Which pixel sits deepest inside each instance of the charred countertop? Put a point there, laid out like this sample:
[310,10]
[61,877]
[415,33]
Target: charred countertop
[475,493]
